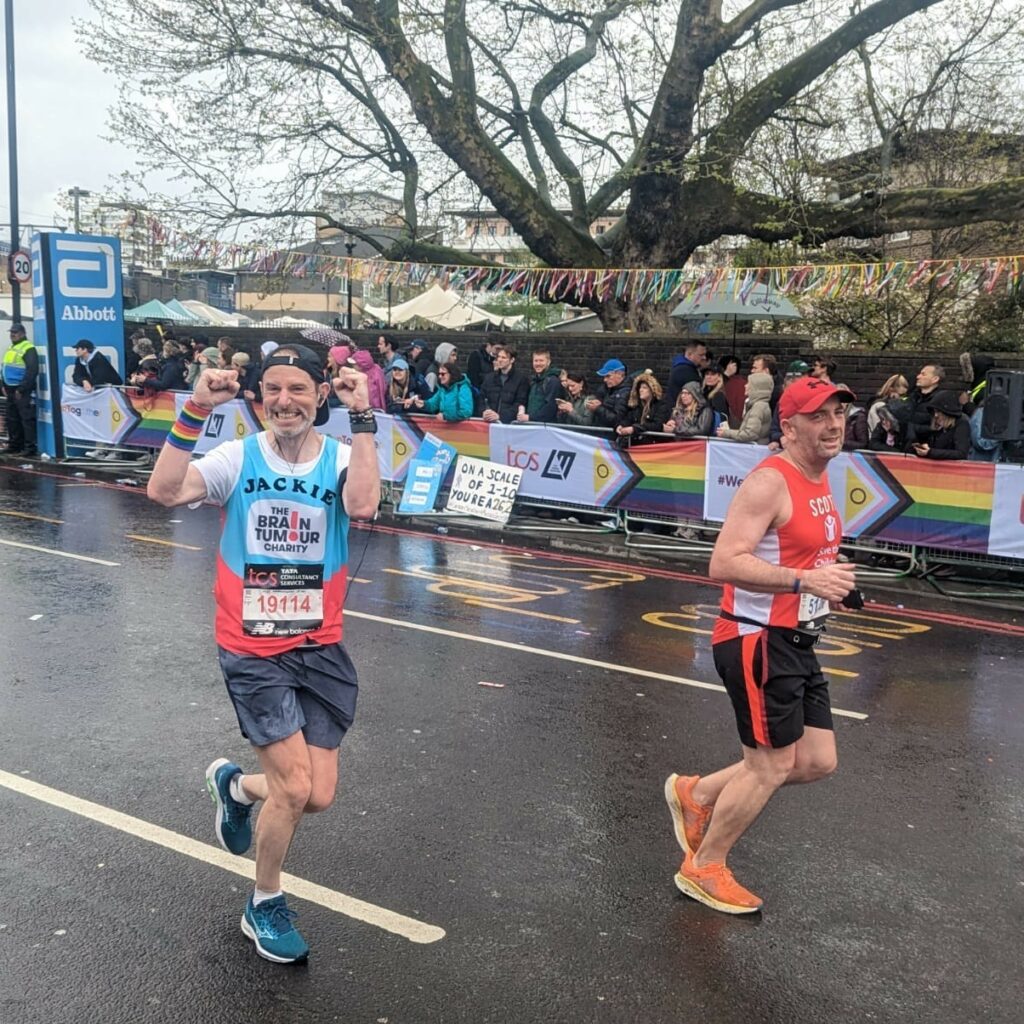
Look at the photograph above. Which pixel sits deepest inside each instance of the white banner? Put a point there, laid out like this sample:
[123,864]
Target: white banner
[1006,532]
[102,414]
[484,489]
[561,465]
[728,464]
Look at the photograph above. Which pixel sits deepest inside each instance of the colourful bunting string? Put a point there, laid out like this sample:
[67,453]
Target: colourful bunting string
[636,285]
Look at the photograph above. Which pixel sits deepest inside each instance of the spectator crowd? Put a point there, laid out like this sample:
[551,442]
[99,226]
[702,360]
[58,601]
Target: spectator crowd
[697,395]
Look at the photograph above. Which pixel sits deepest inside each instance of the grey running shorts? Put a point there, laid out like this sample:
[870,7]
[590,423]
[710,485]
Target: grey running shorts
[309,688]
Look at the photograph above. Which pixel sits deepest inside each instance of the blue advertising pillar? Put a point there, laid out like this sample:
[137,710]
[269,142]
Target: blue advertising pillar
[76,284]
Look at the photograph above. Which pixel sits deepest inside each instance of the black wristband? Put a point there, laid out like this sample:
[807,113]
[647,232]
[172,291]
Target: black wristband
[362,422]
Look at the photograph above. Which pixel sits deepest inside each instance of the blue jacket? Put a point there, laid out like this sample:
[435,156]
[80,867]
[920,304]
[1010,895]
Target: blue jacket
[453,401]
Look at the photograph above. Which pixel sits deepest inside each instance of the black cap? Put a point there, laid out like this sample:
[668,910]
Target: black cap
[304,359]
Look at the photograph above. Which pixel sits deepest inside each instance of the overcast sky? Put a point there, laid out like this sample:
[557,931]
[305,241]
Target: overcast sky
[62,110]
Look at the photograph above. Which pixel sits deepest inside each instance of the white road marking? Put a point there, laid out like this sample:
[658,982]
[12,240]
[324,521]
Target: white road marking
[35,618]
[608,666]
[387,920]
[63,554]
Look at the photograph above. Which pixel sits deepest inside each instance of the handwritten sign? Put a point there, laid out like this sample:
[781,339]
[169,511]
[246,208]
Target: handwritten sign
[484,489]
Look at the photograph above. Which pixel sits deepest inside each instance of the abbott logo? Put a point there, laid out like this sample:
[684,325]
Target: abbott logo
[559,465]
[95,259]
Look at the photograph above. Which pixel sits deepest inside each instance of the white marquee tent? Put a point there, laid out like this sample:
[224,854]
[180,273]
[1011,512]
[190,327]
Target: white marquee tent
[441,307]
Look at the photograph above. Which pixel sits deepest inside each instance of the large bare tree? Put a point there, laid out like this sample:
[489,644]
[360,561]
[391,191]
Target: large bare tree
[690,121]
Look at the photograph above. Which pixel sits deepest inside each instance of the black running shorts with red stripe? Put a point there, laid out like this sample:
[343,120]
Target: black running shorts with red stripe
[775,686]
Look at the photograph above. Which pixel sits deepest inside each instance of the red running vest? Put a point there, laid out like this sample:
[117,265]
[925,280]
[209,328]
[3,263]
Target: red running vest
[809,539]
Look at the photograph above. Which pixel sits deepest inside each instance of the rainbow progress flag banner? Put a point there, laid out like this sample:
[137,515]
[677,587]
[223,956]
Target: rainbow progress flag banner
[671,479]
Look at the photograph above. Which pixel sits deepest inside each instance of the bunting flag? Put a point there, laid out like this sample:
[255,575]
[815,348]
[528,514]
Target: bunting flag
[988,274]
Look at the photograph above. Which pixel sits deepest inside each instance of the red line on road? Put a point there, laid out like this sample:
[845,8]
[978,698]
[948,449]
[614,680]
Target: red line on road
[940,618]
[140,489]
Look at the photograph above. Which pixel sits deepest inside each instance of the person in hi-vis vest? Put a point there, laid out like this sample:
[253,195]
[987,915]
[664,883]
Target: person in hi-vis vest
[19,369]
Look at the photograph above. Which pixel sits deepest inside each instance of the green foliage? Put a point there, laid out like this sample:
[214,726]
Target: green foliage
[538,314]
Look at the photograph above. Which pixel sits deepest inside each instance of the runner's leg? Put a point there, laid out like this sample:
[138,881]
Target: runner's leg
[325,779]
[288,778]
[762,771]
[815,756]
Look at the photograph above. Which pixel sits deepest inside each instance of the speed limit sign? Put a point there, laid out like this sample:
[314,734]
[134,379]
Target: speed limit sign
[19,267]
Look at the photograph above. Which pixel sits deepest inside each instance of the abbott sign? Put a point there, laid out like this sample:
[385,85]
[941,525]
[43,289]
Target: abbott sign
[77,294]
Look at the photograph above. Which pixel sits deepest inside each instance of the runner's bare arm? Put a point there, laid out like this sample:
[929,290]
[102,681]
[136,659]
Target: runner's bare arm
[362,481]
[175,481]
[762,502]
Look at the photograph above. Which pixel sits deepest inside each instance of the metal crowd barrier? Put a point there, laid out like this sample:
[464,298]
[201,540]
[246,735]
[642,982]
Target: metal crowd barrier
[642,530]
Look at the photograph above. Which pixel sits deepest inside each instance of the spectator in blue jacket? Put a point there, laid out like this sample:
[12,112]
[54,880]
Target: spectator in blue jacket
[453,399]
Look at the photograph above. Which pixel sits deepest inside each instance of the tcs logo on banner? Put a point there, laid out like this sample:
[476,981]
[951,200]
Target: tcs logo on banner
[557,467]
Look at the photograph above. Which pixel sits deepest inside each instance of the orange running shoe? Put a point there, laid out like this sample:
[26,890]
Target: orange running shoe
[714,886]
[689,817]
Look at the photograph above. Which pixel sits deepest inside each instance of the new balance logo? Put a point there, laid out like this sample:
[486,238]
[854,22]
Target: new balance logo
[262,629]
[559,465]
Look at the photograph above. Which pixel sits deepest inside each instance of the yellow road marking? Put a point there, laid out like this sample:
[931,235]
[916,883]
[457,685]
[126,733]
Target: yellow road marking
[407,927]
[26,515]
[63,554]
[561,656]
[165,543]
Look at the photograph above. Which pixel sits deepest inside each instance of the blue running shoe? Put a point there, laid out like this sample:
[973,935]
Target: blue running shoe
[233,828]
[269,925]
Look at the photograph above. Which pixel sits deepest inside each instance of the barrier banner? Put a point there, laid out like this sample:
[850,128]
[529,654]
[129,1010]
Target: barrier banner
[129,418]
[957,505]
[563,466]
[947,504]
[1006,534]
[669,479]
[728,464]
[103,414]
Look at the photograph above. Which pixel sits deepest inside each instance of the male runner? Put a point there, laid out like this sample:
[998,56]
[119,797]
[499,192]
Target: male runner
[287,496]
[776,555]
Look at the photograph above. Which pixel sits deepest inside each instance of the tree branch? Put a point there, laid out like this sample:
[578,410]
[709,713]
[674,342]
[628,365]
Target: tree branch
[726,141]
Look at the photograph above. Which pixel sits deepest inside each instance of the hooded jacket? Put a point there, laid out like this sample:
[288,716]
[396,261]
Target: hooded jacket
[442,354]
[374,378]
[454,400]
[545,389]
[757,415]
[644,418]
[699,425]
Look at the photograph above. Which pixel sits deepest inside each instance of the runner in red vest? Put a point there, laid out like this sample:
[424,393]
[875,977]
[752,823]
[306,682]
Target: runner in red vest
[777,556]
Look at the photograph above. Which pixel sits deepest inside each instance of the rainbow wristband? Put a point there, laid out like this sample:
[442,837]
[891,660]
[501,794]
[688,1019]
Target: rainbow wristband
[188,426]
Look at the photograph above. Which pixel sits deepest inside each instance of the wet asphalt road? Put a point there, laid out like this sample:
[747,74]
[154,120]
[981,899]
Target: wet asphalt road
[526,821]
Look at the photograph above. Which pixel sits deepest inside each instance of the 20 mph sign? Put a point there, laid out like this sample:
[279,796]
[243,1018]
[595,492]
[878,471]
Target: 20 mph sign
[19,267]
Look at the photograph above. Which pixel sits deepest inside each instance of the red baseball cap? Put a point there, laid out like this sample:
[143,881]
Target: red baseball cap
[809,394]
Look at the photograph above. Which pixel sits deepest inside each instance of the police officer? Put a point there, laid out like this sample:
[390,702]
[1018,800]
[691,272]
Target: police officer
[20,370]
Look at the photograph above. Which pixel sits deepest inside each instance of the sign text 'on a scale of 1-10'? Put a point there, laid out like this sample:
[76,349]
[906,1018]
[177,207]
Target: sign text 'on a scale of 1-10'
[484,489]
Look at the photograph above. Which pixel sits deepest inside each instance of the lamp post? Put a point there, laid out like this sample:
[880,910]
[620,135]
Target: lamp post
[12,154]
[77,194]
[349,246]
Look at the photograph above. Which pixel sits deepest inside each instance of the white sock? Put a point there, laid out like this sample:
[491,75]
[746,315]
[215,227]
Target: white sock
[238,794]
[259,896]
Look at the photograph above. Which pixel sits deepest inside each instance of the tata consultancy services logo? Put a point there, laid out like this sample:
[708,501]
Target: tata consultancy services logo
[559,465]
[86,270]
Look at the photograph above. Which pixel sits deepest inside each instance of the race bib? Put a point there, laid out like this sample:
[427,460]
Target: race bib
[282,599]
[812,613]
